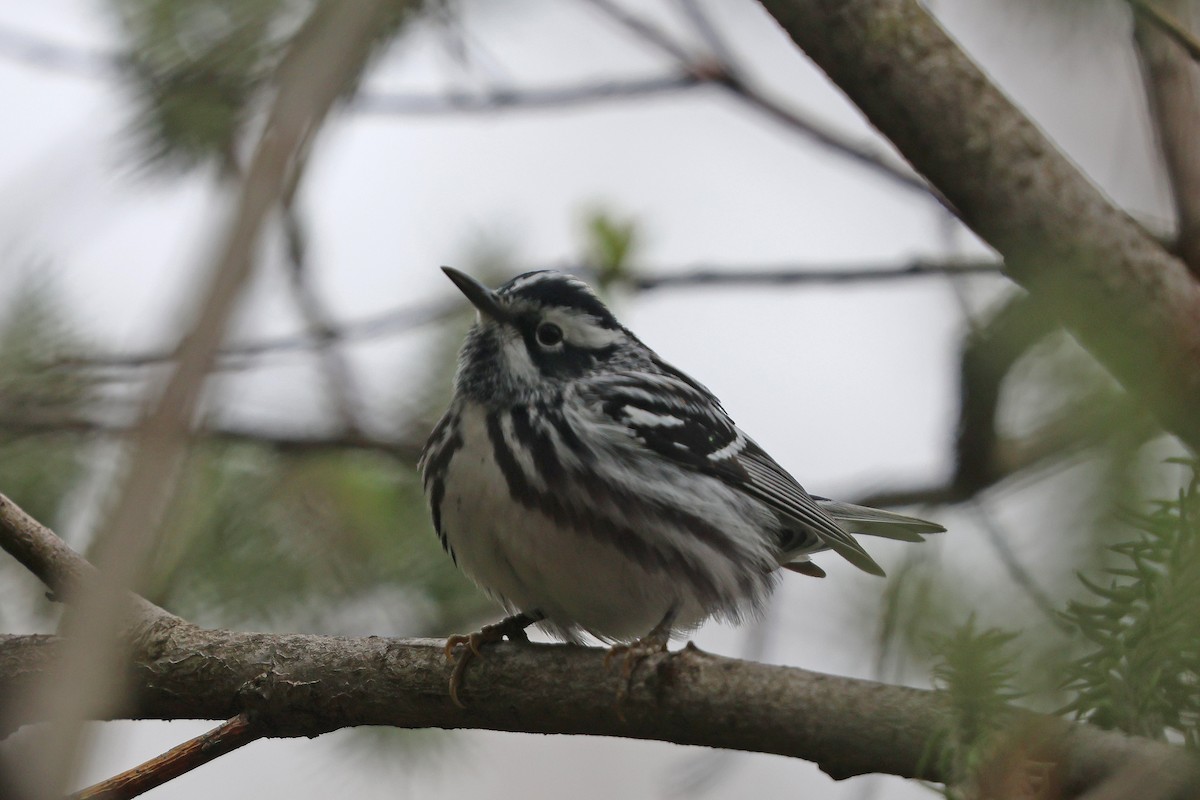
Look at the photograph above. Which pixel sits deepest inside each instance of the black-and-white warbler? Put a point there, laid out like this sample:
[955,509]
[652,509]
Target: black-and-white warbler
[589,486]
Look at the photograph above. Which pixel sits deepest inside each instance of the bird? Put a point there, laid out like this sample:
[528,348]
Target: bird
[592,488]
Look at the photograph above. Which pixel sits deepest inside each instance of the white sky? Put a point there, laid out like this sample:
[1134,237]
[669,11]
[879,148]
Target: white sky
[849,388]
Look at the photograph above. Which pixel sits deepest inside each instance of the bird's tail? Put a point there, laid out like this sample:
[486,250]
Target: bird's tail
[873,522]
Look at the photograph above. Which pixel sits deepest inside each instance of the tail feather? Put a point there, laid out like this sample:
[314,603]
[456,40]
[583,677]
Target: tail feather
[874,522]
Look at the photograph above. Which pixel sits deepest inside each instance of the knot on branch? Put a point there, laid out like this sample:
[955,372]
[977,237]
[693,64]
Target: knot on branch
[281,706]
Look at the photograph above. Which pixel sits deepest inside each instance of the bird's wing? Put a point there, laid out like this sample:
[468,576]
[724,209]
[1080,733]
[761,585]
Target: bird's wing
[679,419]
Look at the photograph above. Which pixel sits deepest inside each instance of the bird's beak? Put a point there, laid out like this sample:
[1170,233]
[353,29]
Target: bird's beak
[480,296]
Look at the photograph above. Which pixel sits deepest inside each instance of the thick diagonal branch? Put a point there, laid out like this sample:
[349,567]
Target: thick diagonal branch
[1173,91]
[1126,298]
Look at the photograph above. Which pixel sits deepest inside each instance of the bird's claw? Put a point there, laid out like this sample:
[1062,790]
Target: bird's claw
[631,656]
[512,628]
[471,640]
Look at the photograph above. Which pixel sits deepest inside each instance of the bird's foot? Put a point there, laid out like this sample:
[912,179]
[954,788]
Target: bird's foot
[633,654]
[511,628]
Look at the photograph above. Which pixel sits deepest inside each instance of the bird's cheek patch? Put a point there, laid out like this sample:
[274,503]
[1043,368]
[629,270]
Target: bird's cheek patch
[519,363]
[584,331]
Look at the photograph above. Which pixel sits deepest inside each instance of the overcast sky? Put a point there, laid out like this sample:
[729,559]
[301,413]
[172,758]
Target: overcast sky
[849,388]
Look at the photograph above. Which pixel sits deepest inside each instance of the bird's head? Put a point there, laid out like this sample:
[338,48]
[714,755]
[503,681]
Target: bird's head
[536,333]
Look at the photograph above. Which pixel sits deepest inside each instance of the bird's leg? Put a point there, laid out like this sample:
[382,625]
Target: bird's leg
[636,652]
[511,628]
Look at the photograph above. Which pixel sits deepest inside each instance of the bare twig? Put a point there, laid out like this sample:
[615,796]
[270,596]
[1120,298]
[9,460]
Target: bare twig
[339,380]
[989,352]
[1056,440]
[45,54]
[792,276]
[1016,570]
[388,323]
[404,451]
[410,317]
[469,54]
[498,99]
[1173,90]
[225,738]
[695,13]
[755,97]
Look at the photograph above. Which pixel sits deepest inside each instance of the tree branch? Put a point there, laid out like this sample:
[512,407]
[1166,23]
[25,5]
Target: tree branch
[283,441]
[1126,299]
[300,685]
[988,355]
[740,87]
[1174,97]
[1169,26]
[341,385]
[48,557]
[304,685]
[703,276]
[225,738]
[409,317]
[521,99]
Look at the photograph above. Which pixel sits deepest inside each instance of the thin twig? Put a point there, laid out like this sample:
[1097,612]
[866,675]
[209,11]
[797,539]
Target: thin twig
[1024,580]
[409,317]
[225,738]
[756,97]
[696,73]
[339,379]
[45,54]
[387,323]
[402,450]
[465,50]
[512,99]
[789,276]
[695,13]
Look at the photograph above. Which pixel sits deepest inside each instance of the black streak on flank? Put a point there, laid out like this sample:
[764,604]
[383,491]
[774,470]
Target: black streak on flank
[601,527]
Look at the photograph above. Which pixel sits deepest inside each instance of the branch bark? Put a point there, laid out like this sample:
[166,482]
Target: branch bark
[302,685]
[1127,300]
[1173,92]
[209,746]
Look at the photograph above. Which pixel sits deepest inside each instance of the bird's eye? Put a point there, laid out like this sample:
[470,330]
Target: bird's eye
[549,334]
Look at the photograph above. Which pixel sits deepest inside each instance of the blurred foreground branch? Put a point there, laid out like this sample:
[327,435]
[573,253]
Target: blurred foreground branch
[300,685]
[327,52]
